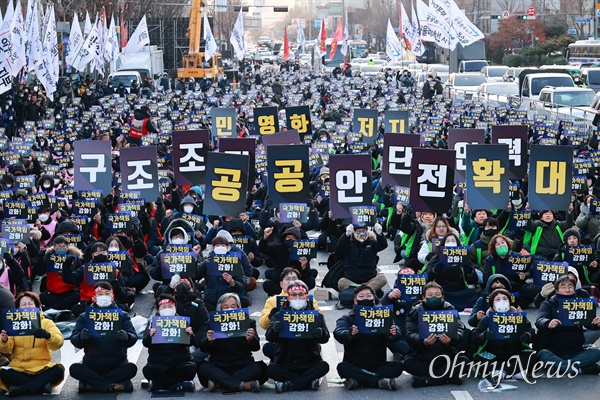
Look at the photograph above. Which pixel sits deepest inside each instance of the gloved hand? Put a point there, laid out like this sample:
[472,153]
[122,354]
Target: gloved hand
[268,204]
[41,334]
[85,335]
[8,257]
[317,332]
[69,262]
[273,312]
[349,230]
[174,281]
[489,335]
[121,335]
[277,326]
[525,338]
[547,290]
[520,235]
[378,229]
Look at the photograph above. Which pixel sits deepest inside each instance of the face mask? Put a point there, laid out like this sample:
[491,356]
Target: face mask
[573,198]
[220,250]
[177,241]
[323,139]
[46,185]
[44,217]
[167,312]
[502,250]
[113,249]
[450,244]
[502,306]
[71,171]
[188,209]
[297,304]
[61,250]
[433,303]
[101,258]
[103,301]
[8,185]
[490,232]
[517,202]
[366,303]
[15,250]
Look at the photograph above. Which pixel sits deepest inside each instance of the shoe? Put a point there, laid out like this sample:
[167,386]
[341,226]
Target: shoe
[387,383]
[455,380]
[593,369]
[518,377]
[210,386]
[281,387]
[125,387]
[128,386]
[315,383]
[47,388]
[188,386]
[251,386]
[152,387]
[420,381]
[498,376]
[351,384]
[85,388]
[14,391]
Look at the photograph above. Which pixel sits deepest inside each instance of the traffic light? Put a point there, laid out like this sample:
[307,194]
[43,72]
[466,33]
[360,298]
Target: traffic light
[496,16]
[280,9]
[521,16]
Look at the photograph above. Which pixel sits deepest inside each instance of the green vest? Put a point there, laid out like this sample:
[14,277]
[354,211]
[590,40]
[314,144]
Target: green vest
[538,234]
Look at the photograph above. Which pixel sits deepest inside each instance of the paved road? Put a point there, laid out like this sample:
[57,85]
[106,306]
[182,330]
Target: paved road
[584,387]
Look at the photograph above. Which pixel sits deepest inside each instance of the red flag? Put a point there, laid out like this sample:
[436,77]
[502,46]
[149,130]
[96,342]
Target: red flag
[322,38]
[124,33]
[337,37]
[286,45]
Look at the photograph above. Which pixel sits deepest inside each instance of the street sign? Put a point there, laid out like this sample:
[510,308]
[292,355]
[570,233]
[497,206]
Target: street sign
[583,20]
[531,12]
[317,22]
[505,14]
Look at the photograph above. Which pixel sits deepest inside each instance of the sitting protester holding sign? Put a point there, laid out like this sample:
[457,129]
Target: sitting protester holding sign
[31,370]
[297,330]
[230,362]
[496,281]
[433,328]
[168,338]
[451,268]
[503,333]
[588,220]
[365,332]
[560,323]
[548,232]
[582,257]
[105,333]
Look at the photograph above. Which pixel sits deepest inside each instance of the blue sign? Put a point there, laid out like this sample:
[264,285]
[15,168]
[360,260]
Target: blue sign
[317,22]
[583,20]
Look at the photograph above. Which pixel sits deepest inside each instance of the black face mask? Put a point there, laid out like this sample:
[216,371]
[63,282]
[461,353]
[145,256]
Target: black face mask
[366,303]
[101,258]
[490,232]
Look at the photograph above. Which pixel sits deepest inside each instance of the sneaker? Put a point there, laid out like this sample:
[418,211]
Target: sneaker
[85,388]
[15,391]
[351,384]
[281,387]
[387,383]
[125,387]
[210,386]
[518,377]
[152,387]
[128,386]
[188,386]
[47,388]
[420,381]
[251,386]
[455,380]
[315,383]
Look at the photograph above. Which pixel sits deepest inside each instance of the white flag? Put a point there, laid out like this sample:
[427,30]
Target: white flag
[211,46]
[17,37]
[87,26]
[434,28]
[28,23]
[111,47]
[98,48]
[462,30]
[139,39]
[6,45]
[54,61]
[75,40]
[237,39]
[5,77]
[417,47]
[45,71]
[34,51]
[300,36]
[393,47]
[344,49]
[87,52]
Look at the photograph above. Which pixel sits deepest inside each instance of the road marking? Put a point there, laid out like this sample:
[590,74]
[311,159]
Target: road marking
[461,395]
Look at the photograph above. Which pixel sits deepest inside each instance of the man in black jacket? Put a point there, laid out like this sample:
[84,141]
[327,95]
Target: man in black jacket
[105,367]
[297,364]
[564,345]
[365,354]
[424,354]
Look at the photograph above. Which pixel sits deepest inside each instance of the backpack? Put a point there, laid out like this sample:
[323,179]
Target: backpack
[346,297]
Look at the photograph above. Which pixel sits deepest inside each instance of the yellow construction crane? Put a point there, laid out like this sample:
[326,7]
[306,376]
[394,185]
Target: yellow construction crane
[194,65]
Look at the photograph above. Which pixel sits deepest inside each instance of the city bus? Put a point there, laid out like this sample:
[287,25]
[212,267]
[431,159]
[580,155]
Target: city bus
[584,52]
[358,49]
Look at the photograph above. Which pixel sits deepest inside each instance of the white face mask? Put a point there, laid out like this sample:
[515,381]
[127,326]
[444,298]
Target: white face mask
[103,301]
[113,249]
[167,312]
[502,306]
[450,244]
[44,217]
[47,186]
[220,250]
[517,202]
[71,171]
[177,241]
[188,209]
[297,304]
[8,185]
